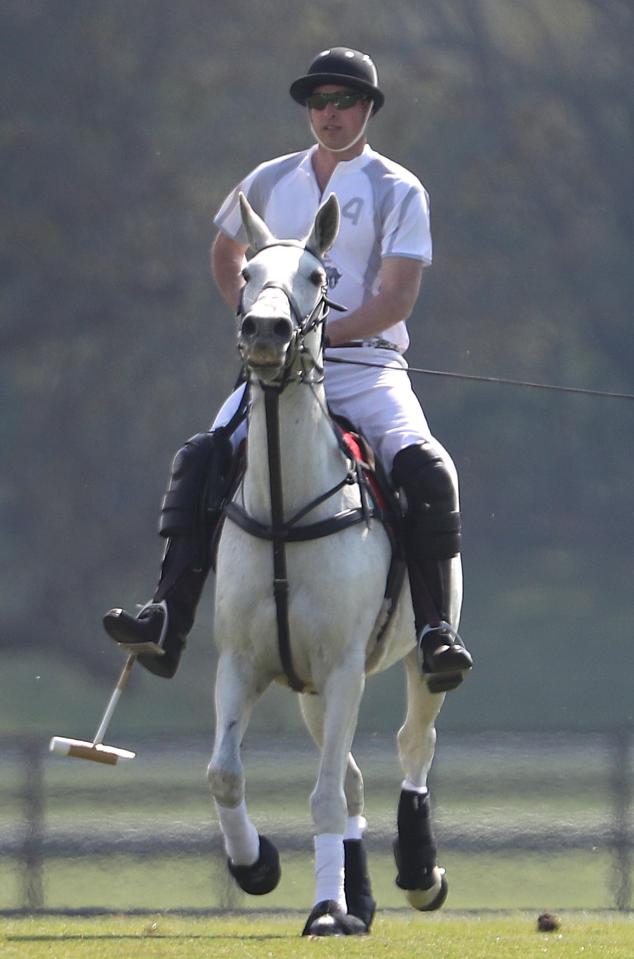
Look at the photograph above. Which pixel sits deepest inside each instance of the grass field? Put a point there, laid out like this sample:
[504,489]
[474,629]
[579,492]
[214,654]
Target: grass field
[444,936]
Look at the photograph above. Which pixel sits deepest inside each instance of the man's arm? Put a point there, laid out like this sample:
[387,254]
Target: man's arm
[227,263]
[400,284]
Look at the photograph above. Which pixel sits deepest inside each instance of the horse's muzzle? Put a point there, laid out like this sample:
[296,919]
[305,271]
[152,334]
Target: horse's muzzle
[264,340]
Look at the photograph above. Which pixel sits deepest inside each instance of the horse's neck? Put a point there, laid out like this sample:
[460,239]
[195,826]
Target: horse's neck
[311,462]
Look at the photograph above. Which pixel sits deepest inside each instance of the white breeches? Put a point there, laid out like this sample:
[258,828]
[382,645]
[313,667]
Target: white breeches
[380,403]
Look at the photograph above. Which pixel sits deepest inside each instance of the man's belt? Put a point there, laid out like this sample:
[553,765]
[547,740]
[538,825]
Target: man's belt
[377,342]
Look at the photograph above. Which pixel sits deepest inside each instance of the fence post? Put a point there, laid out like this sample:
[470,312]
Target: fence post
[621,883]
[33,806]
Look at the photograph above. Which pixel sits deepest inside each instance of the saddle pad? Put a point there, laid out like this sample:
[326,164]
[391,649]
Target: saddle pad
[359,451]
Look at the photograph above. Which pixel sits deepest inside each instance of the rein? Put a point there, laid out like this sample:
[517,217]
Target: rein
[498,380]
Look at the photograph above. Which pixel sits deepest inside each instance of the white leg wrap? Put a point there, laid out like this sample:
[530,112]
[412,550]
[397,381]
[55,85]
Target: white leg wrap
[329,868]
[242,843]
[411,788]
[355,827]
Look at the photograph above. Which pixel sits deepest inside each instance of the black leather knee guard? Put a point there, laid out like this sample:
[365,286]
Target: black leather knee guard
[433,519]
[198,482]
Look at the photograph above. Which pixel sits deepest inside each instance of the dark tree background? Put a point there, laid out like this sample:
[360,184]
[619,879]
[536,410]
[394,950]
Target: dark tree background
[123,126]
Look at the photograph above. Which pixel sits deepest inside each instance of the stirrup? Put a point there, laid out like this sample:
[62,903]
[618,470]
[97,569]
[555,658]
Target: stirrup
[150,647]
[443,681]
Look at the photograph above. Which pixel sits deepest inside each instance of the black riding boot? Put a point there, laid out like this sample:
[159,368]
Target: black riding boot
[432,534]
[200,480]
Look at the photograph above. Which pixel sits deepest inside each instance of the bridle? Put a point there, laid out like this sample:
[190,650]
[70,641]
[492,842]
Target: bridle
[281,531]
[303,324]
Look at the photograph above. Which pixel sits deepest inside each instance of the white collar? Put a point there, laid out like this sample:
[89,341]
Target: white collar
[343,166]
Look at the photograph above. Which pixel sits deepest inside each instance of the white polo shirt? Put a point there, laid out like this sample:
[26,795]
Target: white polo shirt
[384,212]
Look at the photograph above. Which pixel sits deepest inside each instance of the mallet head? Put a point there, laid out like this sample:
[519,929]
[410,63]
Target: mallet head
[97,752]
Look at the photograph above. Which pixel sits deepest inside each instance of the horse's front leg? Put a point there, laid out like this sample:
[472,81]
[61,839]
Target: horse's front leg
[252,859]
[341,697]
[357,885]
[419,875]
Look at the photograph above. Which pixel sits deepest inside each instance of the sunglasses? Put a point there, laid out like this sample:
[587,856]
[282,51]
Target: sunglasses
[342,101]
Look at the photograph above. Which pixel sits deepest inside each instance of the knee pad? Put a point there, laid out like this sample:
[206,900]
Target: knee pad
[433,518]
[198,480]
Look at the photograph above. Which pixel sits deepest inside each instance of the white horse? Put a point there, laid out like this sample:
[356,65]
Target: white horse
[310,612]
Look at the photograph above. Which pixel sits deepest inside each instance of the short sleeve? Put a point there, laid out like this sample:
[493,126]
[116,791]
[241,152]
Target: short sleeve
[228,218]
[406,226]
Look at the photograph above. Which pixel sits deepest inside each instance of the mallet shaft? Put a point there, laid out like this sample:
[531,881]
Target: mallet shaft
[114,699]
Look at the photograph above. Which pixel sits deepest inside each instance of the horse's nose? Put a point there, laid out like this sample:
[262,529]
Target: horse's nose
[276,328]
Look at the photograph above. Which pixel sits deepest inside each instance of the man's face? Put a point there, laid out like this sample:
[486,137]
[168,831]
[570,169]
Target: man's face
[334,126]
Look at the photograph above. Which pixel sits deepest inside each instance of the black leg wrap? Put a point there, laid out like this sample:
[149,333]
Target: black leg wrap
[415,854]
[264,875]
[357,886]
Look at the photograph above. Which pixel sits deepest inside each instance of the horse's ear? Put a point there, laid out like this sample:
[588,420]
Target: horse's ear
[325,227]
[258,233]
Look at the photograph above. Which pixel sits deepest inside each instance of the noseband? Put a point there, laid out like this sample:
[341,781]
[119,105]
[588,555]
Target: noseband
[304,323]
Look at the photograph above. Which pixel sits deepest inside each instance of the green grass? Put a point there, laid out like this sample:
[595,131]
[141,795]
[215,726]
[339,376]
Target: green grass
[445,936]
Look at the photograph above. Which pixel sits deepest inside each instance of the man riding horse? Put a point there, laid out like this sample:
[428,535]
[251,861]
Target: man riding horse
[375,268]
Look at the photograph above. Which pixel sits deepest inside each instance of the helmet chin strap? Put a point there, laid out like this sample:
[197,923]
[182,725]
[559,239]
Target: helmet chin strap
[352,142]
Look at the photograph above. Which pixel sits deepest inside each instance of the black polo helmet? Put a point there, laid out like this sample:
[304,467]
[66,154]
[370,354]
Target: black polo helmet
[350,68]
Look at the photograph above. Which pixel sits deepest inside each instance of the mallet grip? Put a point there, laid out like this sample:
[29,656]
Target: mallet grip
[87,752]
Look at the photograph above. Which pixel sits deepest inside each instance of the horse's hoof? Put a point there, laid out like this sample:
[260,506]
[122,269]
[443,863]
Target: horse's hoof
[329,919]
[426,900]
[261,877]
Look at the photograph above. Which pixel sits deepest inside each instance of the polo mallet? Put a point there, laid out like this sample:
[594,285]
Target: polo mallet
[96,750]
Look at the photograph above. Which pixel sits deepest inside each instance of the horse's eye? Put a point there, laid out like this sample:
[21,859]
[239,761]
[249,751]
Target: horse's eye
[316,277]
[246,276]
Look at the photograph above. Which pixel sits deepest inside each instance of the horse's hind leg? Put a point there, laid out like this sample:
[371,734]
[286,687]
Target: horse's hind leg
[415,850]
[252,859]
[357,886]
